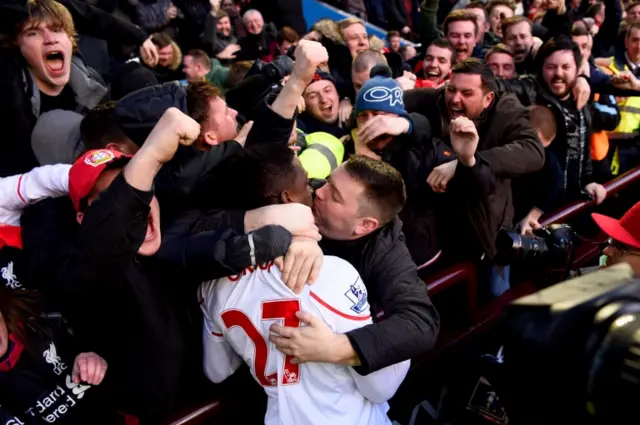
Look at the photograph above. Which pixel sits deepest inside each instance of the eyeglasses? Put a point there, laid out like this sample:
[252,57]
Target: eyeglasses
[617,245]
[621,247]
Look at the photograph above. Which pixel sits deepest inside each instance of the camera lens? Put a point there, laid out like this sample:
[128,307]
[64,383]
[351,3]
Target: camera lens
[572,352]
[614,378]
[512,247]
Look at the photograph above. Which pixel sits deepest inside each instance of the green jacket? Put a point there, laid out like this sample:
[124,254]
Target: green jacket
[218,75]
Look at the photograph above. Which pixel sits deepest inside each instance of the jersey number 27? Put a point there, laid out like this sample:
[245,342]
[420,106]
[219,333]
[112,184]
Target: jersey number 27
[276,309]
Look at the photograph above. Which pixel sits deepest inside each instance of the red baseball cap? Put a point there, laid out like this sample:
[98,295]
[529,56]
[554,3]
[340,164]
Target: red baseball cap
[625,230]
[84,173]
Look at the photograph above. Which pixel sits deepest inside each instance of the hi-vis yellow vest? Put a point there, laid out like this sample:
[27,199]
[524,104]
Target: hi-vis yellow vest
[599,147]
[323,154]
[629,111]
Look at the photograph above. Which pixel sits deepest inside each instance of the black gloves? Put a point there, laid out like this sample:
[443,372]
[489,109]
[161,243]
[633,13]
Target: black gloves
[270,242]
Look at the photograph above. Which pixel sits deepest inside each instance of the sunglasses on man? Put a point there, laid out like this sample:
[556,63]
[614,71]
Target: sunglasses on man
[620,247]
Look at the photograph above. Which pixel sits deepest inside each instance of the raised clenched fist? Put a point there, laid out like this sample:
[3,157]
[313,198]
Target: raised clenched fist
[173,129]
[464,140]
[309,56]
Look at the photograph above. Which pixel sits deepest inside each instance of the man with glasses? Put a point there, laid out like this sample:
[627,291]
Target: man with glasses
[624,234]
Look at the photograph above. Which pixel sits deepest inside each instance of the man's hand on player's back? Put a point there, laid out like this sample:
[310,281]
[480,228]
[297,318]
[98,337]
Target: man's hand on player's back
[314,342]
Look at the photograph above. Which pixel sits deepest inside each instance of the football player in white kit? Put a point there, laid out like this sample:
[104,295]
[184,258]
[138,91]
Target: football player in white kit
[239,309]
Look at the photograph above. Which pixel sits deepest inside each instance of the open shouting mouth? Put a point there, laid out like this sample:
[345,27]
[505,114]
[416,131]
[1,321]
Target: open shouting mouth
[55,63]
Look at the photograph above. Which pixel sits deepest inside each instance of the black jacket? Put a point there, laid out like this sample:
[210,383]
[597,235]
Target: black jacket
[397,15]
[510,147]
[196,257]
[119,303]
[192,24]
[179,180]
[530,91]
[254,47]
[16,117]
[604,42]
[410,325]
[13,267]
[415,156]
[48,227]
[95,22]
[104,30]
[282,13]
[21,104]
[36,385]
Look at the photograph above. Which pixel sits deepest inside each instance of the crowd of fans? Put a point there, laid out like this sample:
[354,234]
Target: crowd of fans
[188,186]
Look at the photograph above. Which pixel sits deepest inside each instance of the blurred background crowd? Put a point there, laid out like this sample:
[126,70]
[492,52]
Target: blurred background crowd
[154,151]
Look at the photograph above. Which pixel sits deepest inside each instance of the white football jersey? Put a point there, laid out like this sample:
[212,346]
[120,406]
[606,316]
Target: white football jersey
[238,311]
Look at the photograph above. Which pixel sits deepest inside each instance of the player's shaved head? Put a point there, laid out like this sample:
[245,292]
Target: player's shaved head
[265,175]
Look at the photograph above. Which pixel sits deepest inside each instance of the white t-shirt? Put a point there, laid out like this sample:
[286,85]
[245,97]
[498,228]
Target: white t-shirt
[238,311]
[19,191]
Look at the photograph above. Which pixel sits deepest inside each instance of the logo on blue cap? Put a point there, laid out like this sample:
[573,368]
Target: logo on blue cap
[380,94]
[384,94]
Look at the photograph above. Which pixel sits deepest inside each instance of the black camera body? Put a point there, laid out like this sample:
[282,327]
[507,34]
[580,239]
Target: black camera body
[571,353]
[553,244]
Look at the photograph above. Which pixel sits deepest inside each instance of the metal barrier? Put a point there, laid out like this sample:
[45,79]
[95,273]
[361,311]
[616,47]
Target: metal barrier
[460,273]
[198,415]
[481,318]
[465,272]
[572,210]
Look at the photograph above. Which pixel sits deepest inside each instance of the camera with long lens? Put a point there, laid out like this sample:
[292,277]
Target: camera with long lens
[553,244]
[570,355]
